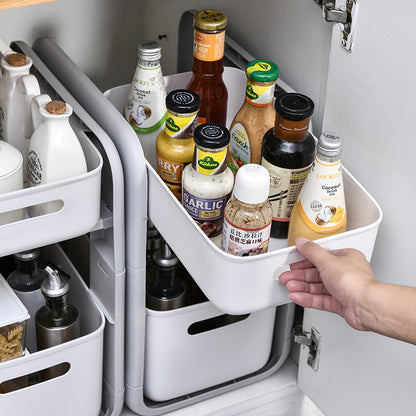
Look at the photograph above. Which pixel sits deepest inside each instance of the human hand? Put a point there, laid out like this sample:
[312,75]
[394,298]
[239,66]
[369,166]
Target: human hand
[333,281]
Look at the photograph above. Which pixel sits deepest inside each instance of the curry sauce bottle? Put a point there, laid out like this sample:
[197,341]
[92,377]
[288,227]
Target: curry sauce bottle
[288,151]
[175,144]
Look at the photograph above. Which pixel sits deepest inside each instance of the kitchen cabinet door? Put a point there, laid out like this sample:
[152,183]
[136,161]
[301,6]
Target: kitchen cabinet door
[370,102]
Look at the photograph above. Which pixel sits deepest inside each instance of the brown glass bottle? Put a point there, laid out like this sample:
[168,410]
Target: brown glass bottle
[288,151]
[207,69]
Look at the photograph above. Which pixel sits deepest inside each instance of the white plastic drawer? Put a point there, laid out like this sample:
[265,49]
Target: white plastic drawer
[240,285]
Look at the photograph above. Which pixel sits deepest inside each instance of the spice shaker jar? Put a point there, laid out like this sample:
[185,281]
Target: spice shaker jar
[248,214]
[207,182]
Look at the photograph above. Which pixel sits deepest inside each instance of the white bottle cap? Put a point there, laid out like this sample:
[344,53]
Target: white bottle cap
[252,184]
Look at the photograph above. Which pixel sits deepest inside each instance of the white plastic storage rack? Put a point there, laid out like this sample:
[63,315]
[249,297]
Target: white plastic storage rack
[234,286]
[86,235]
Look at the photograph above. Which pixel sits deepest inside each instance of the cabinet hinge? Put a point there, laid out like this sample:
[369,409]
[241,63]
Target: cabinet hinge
[311,340]
[344,16]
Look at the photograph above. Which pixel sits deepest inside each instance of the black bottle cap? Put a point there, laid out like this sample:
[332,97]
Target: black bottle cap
[183,101]
[211,136]
[294,106]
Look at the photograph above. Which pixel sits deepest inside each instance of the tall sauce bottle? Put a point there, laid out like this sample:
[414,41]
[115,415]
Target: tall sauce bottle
[145,107]
[255,117]
[175,144]
[320,210]
[287,153]
[207,69]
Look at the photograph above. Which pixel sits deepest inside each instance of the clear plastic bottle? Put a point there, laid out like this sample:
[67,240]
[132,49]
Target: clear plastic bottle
[145,107]
[320,210]
[248,214]
[207,182]
[255,116]
[208,66]
[175,144]
[287,153]
[26,281]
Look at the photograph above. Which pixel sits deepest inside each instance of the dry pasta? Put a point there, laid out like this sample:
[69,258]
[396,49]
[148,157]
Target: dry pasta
[11,342]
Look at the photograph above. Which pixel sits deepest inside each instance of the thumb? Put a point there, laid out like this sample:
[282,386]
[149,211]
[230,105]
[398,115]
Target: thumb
[313,252]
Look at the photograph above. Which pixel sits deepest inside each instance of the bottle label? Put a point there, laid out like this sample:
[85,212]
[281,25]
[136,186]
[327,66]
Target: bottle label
[208,213]
[259,95]
[145,108]
[180,127]
[241,242]
[210,163]
[285,185]
[35,171]
[321,202]
[239,148]
[171,174]
[209,46]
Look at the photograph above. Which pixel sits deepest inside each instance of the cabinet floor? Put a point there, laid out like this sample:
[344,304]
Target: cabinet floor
[277,395]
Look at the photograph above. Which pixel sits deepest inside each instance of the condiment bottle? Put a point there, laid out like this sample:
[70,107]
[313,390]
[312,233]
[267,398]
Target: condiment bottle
[248,214]
[145,107]
[153,241]
[11,179]
[255,117]
[207,69]
[57,321]
[287,153]
[55,152]
[164,290]
[25,282]
[320,210]
[17,89]
[207,182]
[175,144]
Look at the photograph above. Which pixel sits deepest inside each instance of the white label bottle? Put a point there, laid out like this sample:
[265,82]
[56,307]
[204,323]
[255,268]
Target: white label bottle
[145,107]
[17,89]
[54,152]
[320,210]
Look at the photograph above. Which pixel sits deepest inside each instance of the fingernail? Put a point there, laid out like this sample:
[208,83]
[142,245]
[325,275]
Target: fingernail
[300,241]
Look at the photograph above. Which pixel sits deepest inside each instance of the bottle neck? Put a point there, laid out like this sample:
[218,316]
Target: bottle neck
[328,160]
[292,131]
[208,52]
[145,63]
[259,94]
[210,161]
[57,304]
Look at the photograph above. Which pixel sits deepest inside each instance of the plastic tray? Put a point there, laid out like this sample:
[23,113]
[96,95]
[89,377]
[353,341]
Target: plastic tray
[240,285]
[80,213]
[78,390]
[178,362]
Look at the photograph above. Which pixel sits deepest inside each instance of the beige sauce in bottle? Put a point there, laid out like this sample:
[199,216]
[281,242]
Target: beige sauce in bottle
[255,117]
[320,210]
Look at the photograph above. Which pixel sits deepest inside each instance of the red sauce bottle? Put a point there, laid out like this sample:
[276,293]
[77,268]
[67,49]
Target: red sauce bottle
[206,81]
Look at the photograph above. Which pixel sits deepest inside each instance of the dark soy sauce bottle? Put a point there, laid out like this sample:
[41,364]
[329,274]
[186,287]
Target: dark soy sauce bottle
[288,151]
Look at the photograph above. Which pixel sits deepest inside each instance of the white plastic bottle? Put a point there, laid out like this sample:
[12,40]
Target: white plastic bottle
[145,107]
[54,152]
[17,89]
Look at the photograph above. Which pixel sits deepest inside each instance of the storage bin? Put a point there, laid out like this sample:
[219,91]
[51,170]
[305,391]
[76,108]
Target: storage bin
[79,214]
[234,284]
[78,390]
[188,350]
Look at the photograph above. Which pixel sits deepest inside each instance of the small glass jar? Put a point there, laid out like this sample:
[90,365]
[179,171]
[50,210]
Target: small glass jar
[175,144]
[248,214]
[207,182]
